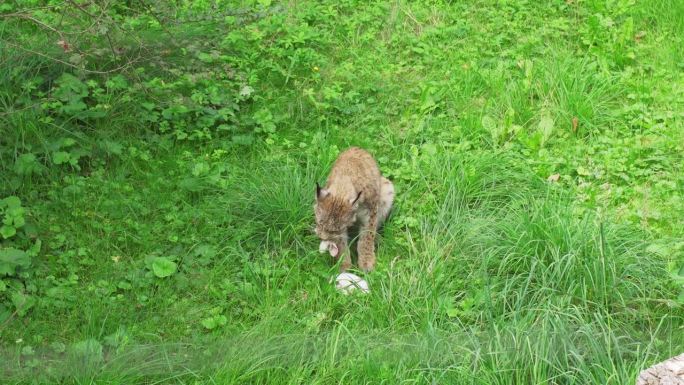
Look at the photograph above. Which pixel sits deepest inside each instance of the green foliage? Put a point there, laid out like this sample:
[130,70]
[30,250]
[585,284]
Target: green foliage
[166,153]
[13,213]
[12,259]
[27,164]
[163,267]
[16,253]
[215,320]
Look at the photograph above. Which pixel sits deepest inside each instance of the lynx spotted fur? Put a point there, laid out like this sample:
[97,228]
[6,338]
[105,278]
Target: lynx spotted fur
[355,195]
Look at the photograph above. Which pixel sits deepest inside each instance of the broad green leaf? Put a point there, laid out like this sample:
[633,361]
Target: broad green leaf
[215,321]
[205,250]
[12,258]
[148,106]
[35,249]
[118,82]
[60,157]
[582,171]
[14,217]
[22,302]
[68,142]
[14,210]
[70,88]
[221,320]
[162,267]
[112,147]
[12,202]
[27,164]
[73,107]
[27,350]
[7,231]
[209,323]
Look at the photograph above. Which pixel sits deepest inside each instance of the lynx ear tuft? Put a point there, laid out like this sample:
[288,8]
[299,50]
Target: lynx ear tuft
[321,192]
[353,201]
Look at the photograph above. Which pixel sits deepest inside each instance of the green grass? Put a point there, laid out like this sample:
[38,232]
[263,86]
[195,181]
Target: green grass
[488,273]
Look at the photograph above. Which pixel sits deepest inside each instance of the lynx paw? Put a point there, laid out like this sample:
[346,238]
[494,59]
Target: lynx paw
[326,246]
[345,265]
[367,264]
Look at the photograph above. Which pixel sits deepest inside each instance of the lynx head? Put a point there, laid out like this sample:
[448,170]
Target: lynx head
[334,215]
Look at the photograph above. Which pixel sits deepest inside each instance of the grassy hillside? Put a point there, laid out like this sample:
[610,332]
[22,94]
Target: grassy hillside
[158,163]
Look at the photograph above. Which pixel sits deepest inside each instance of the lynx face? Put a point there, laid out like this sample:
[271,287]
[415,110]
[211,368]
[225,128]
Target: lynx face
[334,215]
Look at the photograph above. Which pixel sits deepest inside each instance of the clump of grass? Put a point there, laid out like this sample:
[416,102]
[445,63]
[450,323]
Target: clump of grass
[279,198]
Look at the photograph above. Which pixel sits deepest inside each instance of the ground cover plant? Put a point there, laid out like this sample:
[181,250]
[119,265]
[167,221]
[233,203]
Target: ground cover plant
[158,163]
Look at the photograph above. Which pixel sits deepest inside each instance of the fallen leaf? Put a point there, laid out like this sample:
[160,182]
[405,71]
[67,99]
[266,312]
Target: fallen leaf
[65,46]
[639,35]
[553,178]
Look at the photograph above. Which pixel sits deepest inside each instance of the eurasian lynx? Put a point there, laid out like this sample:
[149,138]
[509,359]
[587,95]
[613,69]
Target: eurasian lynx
[355,194]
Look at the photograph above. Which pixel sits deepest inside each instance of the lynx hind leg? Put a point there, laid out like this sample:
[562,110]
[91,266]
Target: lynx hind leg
[366,244]
[386,200]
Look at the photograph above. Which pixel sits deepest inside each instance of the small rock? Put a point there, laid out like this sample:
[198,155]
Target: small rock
[348,282]
[669,372]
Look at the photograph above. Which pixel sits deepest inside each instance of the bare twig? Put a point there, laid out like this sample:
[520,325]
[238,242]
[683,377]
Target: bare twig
[61,33]
[79,7]
[7,321]
[21,109]
[126,65]
[162,24]
[36,21]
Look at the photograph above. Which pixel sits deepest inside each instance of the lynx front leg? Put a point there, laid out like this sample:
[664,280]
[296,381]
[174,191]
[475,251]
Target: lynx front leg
[346,261]
[345,254]
[386,200]
[366,247]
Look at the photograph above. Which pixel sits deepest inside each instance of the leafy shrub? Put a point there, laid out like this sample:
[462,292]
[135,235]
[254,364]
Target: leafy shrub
[16,252]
